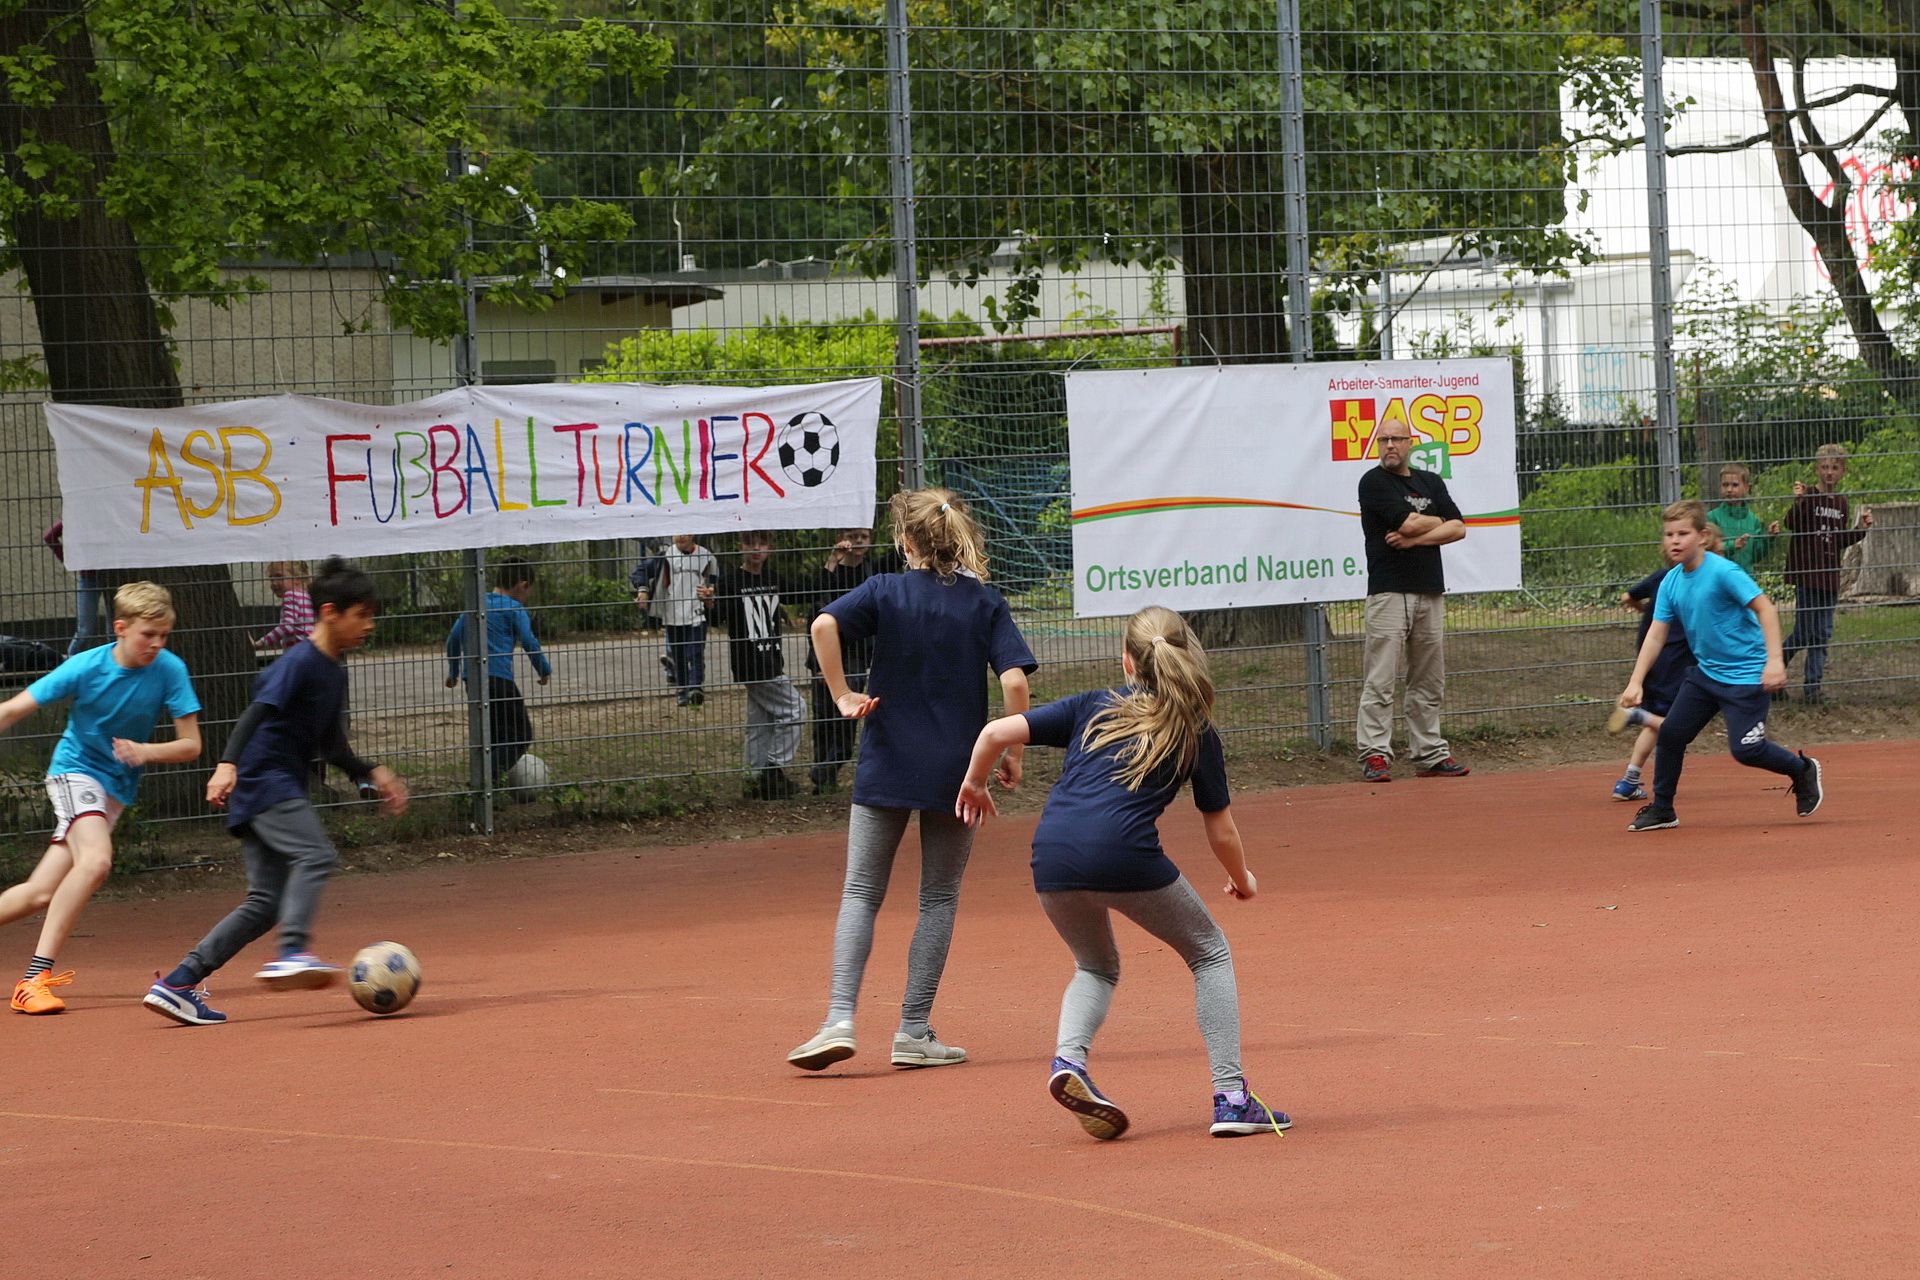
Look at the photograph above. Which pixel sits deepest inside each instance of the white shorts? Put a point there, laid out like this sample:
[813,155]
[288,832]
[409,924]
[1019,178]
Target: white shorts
[75,795]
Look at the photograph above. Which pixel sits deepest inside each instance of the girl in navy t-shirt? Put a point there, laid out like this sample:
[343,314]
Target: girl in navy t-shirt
[936,630]
[1097,850]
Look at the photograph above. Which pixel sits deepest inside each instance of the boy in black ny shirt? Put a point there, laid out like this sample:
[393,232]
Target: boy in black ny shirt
[294,719]
[747,602]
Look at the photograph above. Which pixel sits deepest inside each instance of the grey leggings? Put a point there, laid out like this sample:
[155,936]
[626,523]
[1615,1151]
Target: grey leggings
[1177,917]
[873,837]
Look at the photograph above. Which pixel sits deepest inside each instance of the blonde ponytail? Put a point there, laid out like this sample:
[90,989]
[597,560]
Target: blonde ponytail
[941,531]
[1158,722]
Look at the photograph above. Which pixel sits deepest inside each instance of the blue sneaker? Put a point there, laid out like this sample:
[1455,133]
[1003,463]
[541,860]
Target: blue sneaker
[183,1004]
[1073,1089]
[302,971]
[1624,790]
[1248,1116]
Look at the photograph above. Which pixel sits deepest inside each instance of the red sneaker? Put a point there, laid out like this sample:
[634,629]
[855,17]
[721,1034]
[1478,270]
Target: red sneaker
[1448,768]
[1376,769]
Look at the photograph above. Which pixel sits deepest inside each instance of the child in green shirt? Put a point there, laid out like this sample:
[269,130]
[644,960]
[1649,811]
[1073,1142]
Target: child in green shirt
[1745,536]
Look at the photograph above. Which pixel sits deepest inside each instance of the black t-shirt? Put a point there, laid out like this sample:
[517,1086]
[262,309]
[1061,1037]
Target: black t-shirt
[748,606]
[1386,500]
[828,585]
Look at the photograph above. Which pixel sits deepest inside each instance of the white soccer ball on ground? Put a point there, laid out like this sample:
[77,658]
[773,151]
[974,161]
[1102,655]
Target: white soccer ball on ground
[529,771]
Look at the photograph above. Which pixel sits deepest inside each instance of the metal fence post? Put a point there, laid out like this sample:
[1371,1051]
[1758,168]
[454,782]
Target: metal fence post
[1293,203]
[1666,409]
[473,581]
[906,252]
[473,574]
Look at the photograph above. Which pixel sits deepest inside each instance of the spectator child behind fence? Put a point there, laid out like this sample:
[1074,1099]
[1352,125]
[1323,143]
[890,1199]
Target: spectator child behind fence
[509,727]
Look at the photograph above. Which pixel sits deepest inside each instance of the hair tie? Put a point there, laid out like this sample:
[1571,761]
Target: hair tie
[1159,640]
[943,506]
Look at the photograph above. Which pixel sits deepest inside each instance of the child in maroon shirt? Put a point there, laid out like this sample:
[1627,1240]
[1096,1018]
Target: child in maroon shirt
[1819,524]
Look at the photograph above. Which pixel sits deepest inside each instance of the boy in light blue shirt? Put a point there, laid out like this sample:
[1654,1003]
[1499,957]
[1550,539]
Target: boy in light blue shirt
[1735,634]
[118,692]
[508,625]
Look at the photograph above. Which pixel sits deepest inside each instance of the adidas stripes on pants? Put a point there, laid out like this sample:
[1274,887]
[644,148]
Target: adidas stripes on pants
[1745,707]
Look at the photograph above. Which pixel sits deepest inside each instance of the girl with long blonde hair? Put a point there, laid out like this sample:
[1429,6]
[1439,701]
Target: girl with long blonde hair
[937,630]
[1097,851]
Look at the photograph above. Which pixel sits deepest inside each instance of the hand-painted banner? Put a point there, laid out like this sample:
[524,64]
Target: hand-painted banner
[297,477]
[1227,486]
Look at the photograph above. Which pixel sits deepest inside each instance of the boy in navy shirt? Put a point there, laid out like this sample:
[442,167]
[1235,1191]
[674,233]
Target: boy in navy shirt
[1735,635]
[294,719]
[1662,682]
[508,625]
[118,691]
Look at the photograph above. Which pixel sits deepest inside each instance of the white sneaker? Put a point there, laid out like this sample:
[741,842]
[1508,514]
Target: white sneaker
[925,1051]
[832,1043]
[302,972]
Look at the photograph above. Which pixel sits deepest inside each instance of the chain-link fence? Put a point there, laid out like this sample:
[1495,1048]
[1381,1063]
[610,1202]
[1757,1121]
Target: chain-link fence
[973,201]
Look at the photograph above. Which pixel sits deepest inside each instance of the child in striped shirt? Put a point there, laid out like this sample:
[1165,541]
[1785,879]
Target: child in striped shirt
[288,578]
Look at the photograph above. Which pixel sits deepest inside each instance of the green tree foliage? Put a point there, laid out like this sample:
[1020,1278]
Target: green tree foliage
[145,143]
[1118,129]
[240,128]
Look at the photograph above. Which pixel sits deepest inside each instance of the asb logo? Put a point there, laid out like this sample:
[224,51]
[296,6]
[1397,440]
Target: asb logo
[1352,429]
[1443,427]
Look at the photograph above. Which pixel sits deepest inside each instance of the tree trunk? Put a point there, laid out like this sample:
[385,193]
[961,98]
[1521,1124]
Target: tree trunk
[1236,290]
[99,327]
[1236,283]
[1889,556]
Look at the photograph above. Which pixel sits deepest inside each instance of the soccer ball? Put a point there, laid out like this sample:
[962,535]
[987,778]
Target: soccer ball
[529,771]
[810,450]
[383,977]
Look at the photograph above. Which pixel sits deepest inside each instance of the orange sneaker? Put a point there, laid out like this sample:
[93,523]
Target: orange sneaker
[30,995]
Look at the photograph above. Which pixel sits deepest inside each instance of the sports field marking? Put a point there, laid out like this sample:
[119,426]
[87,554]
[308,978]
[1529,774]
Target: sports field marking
[1300,1265]
[717,1097]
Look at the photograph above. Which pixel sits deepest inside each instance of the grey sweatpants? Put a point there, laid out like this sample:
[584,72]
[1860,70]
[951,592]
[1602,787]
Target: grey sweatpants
[774,716]
[288,861]
[1177,917]
[873,837]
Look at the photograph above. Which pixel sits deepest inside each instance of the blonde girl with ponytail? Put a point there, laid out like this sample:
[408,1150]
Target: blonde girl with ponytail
[1097,851]
[937,631]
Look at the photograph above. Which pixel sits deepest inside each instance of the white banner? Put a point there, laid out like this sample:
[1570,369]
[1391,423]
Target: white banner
[1224,486]
[298,478]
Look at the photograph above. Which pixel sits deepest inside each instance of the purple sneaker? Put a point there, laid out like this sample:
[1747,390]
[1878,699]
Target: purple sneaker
[1248,1115]
[1073,1089]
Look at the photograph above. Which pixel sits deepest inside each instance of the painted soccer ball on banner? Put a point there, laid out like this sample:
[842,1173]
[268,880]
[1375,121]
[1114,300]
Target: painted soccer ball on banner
[384,977]
[810,450]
